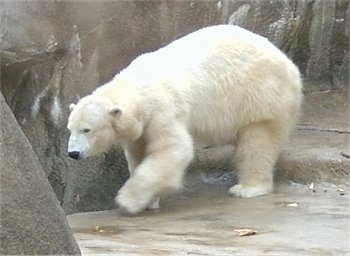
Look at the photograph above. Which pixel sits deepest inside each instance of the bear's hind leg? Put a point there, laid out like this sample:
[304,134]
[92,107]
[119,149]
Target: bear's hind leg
[255,154]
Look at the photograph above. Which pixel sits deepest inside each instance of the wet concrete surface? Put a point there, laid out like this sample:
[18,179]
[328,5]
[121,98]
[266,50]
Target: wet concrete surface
[295,219]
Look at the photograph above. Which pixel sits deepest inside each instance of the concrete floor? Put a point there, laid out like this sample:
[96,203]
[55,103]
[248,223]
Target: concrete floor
[200,220]
[293,220]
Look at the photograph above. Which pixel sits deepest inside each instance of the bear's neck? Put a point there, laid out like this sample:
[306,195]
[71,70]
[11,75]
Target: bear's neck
[123,91]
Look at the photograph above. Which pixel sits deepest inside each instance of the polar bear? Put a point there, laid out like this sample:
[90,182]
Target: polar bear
[218,85]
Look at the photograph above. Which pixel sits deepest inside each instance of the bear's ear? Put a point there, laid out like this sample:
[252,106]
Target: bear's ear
[71,106]
[115,111]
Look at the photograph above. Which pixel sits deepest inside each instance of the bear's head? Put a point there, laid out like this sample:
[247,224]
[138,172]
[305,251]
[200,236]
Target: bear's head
[96,125]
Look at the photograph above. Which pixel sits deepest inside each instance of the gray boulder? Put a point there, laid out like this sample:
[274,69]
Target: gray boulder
[32,221]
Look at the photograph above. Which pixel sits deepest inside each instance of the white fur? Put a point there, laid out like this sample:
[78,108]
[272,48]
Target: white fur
[219,85]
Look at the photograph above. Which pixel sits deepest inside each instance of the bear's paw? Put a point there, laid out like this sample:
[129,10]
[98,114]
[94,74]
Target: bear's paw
[245,191]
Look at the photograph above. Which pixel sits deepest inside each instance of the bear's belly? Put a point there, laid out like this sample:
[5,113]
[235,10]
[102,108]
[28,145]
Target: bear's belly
[213,133]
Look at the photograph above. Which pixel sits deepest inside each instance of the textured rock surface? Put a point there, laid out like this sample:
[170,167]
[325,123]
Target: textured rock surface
[54,52]
[32,221]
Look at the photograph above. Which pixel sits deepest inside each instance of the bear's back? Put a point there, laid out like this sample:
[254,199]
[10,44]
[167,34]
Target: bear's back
[221,45]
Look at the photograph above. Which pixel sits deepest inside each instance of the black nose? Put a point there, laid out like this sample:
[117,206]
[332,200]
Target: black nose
[74,154]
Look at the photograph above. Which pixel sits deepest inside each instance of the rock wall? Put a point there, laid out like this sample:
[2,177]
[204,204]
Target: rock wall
[54,52]
[31,219]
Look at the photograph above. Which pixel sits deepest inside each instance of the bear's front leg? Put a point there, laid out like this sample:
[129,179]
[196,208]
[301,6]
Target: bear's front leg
[134,154]
[154,204]
[160,172]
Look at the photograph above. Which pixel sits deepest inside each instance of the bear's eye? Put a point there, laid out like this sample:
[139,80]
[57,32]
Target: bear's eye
[86,130]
